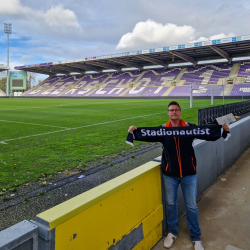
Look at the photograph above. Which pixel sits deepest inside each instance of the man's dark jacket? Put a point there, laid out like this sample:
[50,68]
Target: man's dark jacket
[178,157]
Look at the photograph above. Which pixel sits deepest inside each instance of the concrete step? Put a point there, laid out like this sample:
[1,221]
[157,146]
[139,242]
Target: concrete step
[168,91]
[235,69]
[179,76]
[227,90]
[124,92]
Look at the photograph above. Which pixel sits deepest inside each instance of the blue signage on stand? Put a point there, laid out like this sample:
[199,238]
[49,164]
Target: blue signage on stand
[165,48]
[181,46]
[198,44]
[17,75]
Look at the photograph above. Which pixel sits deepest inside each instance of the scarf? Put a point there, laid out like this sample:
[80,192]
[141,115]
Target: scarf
[157,134]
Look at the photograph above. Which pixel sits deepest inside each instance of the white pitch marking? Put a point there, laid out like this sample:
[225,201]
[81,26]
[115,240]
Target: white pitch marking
[85,126]
[33,124]
[4,141]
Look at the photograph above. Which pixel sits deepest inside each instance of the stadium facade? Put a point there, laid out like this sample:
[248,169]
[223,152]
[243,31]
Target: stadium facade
[160,72]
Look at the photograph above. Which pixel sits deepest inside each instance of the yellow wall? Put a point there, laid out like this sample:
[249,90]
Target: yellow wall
[101,216]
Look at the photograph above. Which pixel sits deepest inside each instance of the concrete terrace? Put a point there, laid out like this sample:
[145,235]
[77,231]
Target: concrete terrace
[223,212]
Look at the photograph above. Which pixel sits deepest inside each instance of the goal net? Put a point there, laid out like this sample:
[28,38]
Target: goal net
[206,90]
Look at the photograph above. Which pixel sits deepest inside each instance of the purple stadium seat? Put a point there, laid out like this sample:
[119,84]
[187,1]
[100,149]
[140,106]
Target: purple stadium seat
[206,74]
[201,91]
[155,91]
[240,90]
[119,80]
[105,92]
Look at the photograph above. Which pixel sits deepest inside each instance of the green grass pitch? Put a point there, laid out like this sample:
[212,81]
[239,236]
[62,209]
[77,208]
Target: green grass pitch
[42,136]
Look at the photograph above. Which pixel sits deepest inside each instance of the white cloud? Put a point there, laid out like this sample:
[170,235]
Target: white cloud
[12,7]
[54,17]
[151,33]
[221,35]
[214,37]
[25,58]
[58,16]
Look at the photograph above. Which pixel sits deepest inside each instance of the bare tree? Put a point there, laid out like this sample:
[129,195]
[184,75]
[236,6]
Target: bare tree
[31,79]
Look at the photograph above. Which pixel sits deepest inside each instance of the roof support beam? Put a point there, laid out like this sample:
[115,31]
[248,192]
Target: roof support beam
[152,60]
[130,64]
[184,57]
[43,71]
[85,67]
[71,69]
[221,52]
[58,71]
[103,65]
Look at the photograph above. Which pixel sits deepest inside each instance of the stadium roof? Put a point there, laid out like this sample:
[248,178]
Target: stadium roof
[226,48]
[3,67]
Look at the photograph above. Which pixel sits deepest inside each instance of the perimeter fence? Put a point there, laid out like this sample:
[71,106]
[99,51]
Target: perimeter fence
[208,115]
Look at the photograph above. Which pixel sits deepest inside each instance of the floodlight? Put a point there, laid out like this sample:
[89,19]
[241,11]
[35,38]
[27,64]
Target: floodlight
[7,30]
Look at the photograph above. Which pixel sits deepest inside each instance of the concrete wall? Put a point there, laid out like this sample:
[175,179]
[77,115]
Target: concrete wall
[123,213]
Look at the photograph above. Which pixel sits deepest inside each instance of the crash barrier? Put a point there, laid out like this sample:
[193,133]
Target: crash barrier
[128,211]
[123,213]
[208,115]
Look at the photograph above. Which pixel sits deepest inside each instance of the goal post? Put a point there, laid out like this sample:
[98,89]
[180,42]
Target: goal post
[211,89]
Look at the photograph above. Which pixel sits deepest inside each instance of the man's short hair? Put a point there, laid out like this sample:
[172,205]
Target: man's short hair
[174,103]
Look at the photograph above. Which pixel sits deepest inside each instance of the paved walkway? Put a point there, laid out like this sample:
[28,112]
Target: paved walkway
[224,212]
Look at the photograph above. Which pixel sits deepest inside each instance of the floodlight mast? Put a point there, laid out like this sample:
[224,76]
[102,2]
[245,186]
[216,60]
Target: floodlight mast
[8,31]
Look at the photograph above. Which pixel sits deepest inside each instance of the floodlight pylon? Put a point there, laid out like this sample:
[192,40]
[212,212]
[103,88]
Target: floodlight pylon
[8,31]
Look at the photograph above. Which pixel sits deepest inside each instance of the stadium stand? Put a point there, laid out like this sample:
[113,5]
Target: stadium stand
[245,71]
[60,85]
[119,80]
[240,90]
[49,82]
[105,92]
[149,82]
[206,74]
[85,85]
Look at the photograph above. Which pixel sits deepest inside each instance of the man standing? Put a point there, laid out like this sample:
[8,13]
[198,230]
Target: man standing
[179,168]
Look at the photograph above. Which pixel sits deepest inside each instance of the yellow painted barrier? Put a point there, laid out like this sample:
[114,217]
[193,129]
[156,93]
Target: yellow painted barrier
[125,210]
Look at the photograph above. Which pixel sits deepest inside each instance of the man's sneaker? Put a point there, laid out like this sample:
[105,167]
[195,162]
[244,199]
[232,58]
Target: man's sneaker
[198,245]
[168,242]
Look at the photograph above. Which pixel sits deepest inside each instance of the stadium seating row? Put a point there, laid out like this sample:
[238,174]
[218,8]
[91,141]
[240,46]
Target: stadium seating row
[151,82]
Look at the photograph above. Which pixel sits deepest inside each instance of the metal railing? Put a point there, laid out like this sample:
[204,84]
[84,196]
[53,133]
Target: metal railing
[208,115]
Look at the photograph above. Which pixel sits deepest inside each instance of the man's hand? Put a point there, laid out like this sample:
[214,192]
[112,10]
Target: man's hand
[225,127]
[131,129]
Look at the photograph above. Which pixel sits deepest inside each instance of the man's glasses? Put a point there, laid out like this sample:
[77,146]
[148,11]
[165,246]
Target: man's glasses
[174,110]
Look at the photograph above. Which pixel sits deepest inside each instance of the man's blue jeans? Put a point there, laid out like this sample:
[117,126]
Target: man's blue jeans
[189,190]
